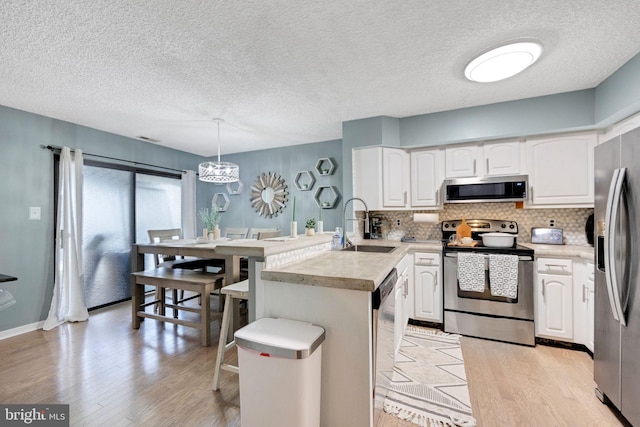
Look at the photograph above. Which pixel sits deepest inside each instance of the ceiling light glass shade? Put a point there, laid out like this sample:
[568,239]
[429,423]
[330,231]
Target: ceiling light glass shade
[503,62]
[219,172]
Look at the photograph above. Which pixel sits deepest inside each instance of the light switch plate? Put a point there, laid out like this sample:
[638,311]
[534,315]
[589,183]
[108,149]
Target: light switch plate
[34,213]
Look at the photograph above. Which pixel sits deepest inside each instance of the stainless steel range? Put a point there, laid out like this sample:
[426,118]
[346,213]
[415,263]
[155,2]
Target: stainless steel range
[488,291]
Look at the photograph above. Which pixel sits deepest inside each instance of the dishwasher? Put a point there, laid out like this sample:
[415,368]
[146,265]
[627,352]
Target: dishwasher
[383,305]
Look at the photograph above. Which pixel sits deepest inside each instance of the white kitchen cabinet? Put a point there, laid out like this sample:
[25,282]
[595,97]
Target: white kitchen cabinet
[584,305]
[461,161]
[381,177]
[554,299]
[395,177]
[401,312]
[501,158]
[591,299]
[426,178]
[427,285]
[561,170]
[487,159]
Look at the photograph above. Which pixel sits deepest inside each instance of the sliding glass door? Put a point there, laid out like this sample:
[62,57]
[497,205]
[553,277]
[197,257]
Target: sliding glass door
[107,224]
[158,201]
[120,205]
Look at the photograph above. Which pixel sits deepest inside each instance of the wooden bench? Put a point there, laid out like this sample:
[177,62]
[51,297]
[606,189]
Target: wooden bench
[187,280]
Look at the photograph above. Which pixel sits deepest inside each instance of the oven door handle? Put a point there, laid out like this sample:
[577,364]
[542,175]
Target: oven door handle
[485,256]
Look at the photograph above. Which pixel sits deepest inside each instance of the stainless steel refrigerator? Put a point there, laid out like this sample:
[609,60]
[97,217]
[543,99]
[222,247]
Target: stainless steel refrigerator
[617,298]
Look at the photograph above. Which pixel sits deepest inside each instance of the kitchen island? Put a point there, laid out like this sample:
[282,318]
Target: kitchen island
[332,289]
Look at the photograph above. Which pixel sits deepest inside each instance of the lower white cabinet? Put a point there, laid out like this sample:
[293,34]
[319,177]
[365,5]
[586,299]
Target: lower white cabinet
[583,302]
[565,300]
[401,312]
[427,283]
[554,299]
[590,301]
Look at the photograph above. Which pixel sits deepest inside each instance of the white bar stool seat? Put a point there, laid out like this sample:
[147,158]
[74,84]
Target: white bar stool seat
[239,290]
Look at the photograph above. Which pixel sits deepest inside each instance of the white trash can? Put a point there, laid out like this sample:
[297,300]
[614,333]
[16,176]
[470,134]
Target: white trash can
[279,362]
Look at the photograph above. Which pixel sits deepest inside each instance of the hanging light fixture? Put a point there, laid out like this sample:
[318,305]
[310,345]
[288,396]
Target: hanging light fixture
[218,172]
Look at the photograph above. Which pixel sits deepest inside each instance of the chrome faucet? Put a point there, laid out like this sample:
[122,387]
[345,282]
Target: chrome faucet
[344,220]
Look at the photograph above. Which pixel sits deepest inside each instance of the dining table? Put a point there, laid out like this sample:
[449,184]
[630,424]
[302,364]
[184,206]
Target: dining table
[199,248]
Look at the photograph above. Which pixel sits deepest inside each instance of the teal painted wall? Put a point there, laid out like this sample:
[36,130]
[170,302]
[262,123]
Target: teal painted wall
[26,179]
[286,162]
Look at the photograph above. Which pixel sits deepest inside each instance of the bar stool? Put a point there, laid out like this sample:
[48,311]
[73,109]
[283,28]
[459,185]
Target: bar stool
[240,291]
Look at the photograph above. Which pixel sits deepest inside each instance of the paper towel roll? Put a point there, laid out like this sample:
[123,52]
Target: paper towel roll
[432,218]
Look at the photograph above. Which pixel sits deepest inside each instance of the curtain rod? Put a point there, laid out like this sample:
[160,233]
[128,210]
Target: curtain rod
[57,150]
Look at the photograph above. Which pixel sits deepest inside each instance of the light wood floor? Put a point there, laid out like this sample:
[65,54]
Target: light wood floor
[160,375]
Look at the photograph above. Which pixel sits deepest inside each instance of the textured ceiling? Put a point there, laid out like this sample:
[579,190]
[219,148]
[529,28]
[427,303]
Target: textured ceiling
[288,72]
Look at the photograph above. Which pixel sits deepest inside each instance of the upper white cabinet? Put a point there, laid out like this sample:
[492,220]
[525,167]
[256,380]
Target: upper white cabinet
[395,178]
[461,161]
[426,177]
[502,158]
[619,128]
[561,169]
[381,177]
[488,159]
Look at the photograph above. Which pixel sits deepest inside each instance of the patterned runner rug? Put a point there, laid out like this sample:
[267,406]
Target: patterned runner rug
[428,385]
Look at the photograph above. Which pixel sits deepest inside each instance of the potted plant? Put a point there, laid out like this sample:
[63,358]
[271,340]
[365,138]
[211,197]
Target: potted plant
[210,221]
[310,227]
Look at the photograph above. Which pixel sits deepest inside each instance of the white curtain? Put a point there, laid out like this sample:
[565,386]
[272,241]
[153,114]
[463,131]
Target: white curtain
[68,303]
[189,205]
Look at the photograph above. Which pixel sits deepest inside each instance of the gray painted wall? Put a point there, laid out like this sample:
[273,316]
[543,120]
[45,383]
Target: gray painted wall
[26,179]
[286,162]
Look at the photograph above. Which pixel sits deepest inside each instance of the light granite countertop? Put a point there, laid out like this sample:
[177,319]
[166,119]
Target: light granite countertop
[274,246]
[364,271]
[361,271]
[568,251]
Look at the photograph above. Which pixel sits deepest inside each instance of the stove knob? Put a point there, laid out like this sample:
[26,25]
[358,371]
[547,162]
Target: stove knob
[503,225]
[446,226]
[512,226]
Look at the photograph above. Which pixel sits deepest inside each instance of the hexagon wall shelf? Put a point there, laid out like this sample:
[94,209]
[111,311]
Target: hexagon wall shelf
[223,207]
[326,197]
[325,166]
[304,180]
[235,189]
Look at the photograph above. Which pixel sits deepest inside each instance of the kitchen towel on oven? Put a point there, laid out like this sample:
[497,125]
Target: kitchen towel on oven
[471,272]
[503,275]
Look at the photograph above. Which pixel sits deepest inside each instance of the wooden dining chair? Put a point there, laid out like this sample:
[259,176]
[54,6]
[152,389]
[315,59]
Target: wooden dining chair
[187,263]
[236,233]
[253,232]
[268,234]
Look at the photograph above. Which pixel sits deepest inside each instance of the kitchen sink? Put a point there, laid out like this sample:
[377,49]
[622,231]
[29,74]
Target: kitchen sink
[370,248]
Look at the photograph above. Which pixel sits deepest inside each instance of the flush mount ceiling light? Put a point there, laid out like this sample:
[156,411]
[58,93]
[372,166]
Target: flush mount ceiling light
[218,172]
[503,62]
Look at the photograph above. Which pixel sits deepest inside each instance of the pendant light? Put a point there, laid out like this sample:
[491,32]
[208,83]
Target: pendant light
[218,172]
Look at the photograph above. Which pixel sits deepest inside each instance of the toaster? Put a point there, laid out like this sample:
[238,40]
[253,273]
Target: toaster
[547,236]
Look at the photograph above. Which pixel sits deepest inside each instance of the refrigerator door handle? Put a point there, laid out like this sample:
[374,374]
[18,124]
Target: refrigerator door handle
[612,218]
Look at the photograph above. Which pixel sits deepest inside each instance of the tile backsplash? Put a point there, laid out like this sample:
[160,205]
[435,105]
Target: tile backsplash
[572,221]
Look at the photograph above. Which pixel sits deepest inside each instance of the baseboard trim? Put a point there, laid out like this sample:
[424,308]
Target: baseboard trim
[21,330]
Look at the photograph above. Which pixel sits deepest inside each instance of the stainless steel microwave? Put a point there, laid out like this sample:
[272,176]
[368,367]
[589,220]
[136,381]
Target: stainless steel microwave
[489,189]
